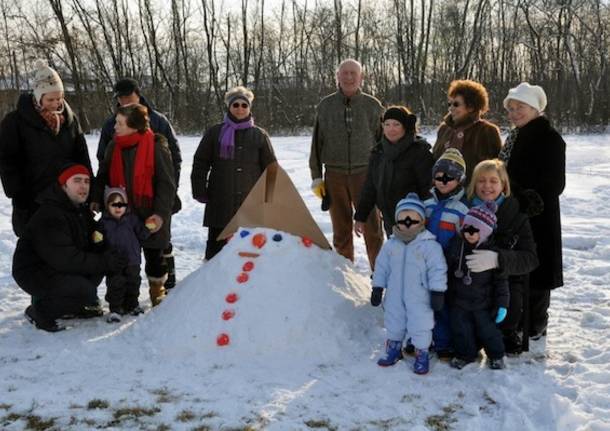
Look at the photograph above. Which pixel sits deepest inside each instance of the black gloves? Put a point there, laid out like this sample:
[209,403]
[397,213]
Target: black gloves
[376,295]
[531,202]
[437,299]
[115,262]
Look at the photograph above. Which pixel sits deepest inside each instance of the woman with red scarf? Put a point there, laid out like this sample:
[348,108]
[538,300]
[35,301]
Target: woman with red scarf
[229,160]
[139,161]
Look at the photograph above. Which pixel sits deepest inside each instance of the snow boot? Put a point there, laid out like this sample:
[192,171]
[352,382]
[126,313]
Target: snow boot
[134,311]
[422,362]
[41,321]
[513,343]
[113,318]
[90,311]
[496,364]
[156,289]
[459,363]
[392,353]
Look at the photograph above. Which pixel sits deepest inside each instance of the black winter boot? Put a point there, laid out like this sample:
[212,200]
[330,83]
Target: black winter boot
[41,321]
[171,268]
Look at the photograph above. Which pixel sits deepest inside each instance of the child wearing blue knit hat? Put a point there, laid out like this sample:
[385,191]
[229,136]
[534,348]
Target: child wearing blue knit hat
[411,268]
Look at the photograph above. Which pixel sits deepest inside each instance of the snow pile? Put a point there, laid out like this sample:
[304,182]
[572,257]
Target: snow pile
[266,293]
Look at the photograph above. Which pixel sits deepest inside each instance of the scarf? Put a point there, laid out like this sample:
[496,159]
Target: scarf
[410,235]
[52,119]
[457,130]
[143,169]
[227,134]
[477,202]
[508,145]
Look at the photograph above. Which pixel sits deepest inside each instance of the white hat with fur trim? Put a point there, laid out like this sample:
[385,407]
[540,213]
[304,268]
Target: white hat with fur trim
[532,95]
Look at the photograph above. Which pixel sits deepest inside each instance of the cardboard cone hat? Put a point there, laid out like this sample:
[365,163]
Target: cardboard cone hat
[275,203]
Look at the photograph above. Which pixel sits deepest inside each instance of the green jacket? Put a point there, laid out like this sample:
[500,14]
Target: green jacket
[333,143]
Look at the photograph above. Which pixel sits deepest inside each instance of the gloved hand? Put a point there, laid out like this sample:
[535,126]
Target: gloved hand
[437,300]
[318,188]
[115,262]
[97,237]
[532,202]
[501,314]
[376,296]
[153,223]
[482,260]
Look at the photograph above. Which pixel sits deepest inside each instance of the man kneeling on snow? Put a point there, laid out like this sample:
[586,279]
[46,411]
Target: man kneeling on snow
[56,261]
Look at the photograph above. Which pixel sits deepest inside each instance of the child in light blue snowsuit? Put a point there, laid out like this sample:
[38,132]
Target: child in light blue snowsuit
[412,268]
[445,210]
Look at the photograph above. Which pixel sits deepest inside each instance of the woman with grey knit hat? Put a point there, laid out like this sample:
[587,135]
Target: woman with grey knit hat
[535,158]
[229,160]
[36,140]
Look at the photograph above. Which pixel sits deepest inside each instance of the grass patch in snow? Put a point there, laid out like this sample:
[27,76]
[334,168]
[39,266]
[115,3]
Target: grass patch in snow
[165,396]
[4,406]
[96,403]
[36,423]
[323,423]
[185,416]
[444,421]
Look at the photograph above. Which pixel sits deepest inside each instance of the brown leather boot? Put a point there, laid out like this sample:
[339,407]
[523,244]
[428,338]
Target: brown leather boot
[156,289]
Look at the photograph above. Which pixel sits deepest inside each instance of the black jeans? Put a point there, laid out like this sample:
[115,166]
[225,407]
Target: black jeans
[67,294]
[155,266]
[123,289]
[540,300]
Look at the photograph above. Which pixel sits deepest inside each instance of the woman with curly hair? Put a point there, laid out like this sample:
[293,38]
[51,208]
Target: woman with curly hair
[463,128]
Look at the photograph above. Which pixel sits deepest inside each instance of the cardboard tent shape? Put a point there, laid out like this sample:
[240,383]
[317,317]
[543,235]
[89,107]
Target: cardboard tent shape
[275,203]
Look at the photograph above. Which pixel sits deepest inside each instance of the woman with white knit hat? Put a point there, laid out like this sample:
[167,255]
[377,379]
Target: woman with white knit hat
[534,153]
[36,140]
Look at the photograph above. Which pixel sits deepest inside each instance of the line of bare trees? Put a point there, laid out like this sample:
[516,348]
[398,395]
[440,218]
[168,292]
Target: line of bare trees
[186,53]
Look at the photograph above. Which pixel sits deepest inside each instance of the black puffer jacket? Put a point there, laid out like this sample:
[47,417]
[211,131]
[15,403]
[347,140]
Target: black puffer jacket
[391,177]
[57,240]
[31,155]
[488,289]
[537,162]
[226,183]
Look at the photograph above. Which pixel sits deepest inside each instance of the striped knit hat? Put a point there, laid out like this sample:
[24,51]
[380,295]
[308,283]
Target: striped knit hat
[451,163]
[482,217]
[411,203]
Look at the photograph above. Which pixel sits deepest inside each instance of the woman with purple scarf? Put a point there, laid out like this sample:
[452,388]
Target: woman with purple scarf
[229,160]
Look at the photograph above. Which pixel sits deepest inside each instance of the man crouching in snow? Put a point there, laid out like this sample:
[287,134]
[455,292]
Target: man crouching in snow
[412,267]
[56,261]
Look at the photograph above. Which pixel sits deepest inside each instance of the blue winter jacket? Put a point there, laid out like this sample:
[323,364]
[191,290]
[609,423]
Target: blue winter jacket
[125,235]
[443,217]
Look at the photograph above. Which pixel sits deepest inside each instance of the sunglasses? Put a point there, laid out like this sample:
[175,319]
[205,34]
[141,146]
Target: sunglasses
[118,205]
[240,105]
[444,178]
[454,104]
[407,221]
[470,229]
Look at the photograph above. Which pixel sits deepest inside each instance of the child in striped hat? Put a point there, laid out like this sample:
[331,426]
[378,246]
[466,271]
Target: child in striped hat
[412,268]
[478,301]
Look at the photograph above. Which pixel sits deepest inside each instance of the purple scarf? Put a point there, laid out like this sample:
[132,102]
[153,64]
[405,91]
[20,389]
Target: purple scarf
[227,135]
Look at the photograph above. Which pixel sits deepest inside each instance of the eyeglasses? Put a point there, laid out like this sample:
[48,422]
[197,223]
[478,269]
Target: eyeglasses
[118,205]
[240,105]
[454,104]
[470,229]
[407,221]
[444,178]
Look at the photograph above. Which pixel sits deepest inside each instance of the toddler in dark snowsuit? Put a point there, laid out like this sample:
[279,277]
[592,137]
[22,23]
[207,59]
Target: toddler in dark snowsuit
[478,301]
[123,231]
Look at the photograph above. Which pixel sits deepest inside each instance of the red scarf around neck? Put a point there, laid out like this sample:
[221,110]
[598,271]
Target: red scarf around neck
[143,169]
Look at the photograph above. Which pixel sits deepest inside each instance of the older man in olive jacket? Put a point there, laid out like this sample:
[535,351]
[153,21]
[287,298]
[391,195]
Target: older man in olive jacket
[348,124]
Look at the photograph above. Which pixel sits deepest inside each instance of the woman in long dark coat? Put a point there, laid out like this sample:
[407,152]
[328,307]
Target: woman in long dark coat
[400,163]
[229,160]
[534,153]
[36,140]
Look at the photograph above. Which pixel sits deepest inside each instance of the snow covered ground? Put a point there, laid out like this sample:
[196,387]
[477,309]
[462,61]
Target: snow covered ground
[304,341]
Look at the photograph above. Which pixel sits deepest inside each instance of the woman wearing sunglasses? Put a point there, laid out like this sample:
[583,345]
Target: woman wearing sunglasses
[463,128]
[514,254]
[229,160]
[140,161]
[400,163]
[535,157]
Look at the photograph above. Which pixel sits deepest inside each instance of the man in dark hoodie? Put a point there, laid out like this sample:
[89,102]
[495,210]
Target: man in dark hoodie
[56,261]
[127,92]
